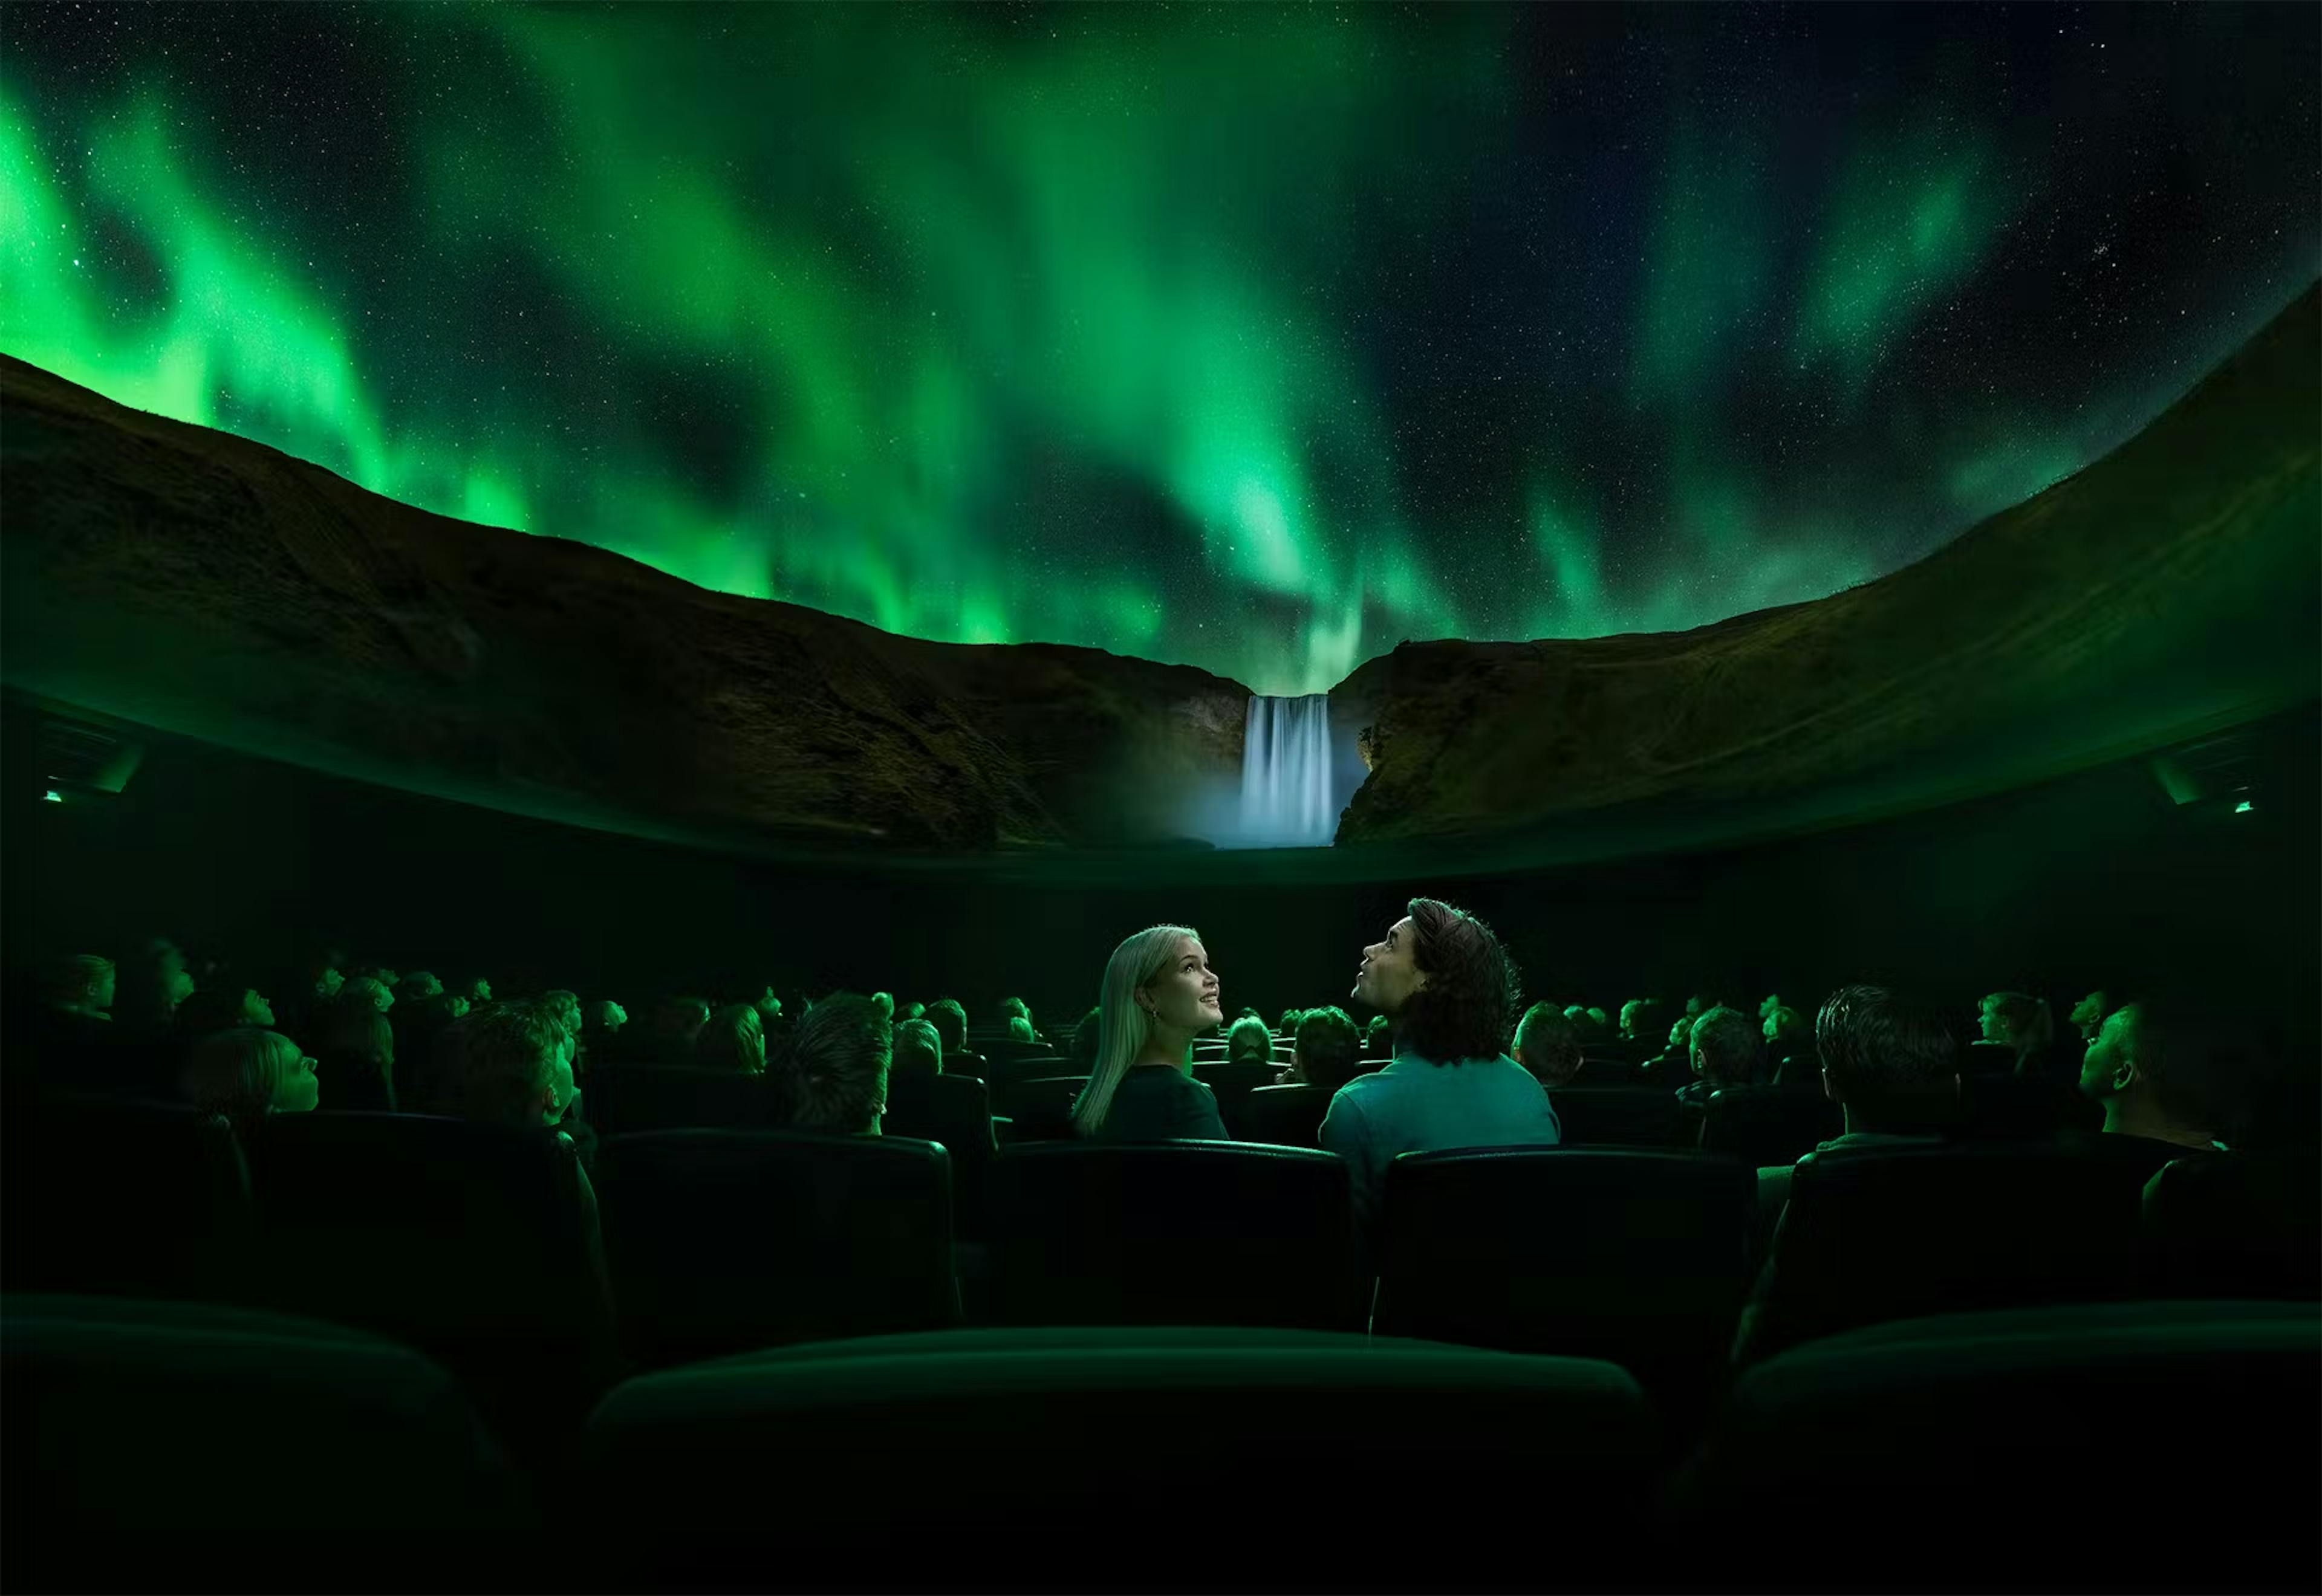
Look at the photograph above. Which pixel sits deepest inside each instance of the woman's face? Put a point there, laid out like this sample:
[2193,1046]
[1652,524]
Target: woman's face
[1185,996]
[256,1010]
[1993,1024]
[299,1090]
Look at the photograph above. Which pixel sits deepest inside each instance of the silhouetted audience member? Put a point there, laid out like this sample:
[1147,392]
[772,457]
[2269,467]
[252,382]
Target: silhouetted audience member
[505,1063]
[1019,1031]
[148,990]
[1158,994]
[1722,1052]
[416,985]
[366,990]
[1673,1064]
[354,1048]
[1892,1065]
[1249,1042]
[2024,1024]
[246,1072]
[1789,1054]
[1548,1045]
[1378,1038]
[1451,991]
[1641,1021]
[2170,1070]
[918,1051]
[2088,1015]
[677,1021]
[1325,1050]
[836,1066]
[65,1039]
[734,1040]
[949,1018]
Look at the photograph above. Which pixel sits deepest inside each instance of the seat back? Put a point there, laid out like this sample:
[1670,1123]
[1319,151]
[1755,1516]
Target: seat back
[1040,1436]
[630,1098]
[1183,1234]
[2004,1435]
[1996,1107]
[476,1244]
[1878,1234]
[1233,1083]
[123,1197]
[725,1241]
[1041,1110]
[171,1445]
[1006,1074]
[1636,1256]
[1621,1117]
[2241,1225]
[1283,1116]
[956,1111]
[1767,1124]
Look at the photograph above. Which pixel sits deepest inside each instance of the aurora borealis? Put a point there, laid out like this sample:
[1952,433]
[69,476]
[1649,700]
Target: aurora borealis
[1253,338]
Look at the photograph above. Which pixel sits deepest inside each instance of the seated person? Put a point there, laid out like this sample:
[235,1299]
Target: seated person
[834,1072]
[1548,1045]
[1325,1050]
[1889,1062]
[1159,993]
[1722,1052]
[1641,1020]
[1249,1042]
[2022,1023]
[2170,1073]
[949,1018]
[676,1022]
[918,1051]
[355,1044]
[1451,992]
[246,1072]
[2088,1015]
[1790,1054]
[732,1040]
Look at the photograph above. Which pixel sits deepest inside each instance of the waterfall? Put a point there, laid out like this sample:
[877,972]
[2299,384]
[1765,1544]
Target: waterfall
[1287,786]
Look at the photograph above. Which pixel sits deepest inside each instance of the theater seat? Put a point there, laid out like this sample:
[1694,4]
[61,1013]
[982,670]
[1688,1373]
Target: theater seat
[1189,1233]
[476,1244]
[192,1446]
[817,1465]
[955,1111]
[1041,1109]
[1878,1234]
[1284,1116]
[1621,1117]
[1233,1083]
[1766,1124]
[2004,1109]
[2236,1224]
[633,1098]
[1639,1258]
[2136,1447]
[121,1197]
[724,1241]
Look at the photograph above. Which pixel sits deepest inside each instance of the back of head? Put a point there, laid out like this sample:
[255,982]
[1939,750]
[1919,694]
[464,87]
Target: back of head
[1123,1026]
[1548,1045]
[949,1015]
[1008,1009]
[1329,1048]
[1727,1041]
[734,1039]
[246,1072]
[79,980]
[366,990]
[1641,1021]
[502,1063]
[886,1002]
[836,1065]
[415,985]
[2025,1019]
[1019,1029]
[1890,1060]
[1250,1042]
[1469,1003]
[1085,1036]
[918,1051]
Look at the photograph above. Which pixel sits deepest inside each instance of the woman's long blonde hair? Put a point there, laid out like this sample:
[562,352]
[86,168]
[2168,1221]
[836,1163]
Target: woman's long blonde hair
[1123,1025]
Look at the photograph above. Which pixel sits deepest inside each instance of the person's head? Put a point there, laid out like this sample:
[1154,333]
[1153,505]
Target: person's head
[1158,992]
[1019,1029]
[218,1008]
[366,990]
[1767,1004]
[478,992]
[85,982]
[949,1015]
[247,1072]
[734,1038]
[324,978]
[1888,1060]
[1289,1026]
[1783,1026]
[565,1006]
[836,1065]
[1443,978]
[431,1015]
[683,1015]
[1680,1030]
[2020,1021]
[1008,1009]
[2090,1013]
[1548,1045]
[918,1051]
[1326,1049]
[1725,1047]
[914,1011]
[603,1017]
[1085,1035]
[1250,1042]
[1641,1019]
[886,1002]
[417,984]
[768,1005]
[2170,1066]
[507,1063]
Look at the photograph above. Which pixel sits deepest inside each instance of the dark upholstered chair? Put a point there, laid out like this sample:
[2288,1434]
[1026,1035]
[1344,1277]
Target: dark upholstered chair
[1766,1124]
[631,1097]
[1041,1109]
[1187,1233]
[1283,1116]
[725,1241]
[193,1446]
[1621,1117]
[956,1111]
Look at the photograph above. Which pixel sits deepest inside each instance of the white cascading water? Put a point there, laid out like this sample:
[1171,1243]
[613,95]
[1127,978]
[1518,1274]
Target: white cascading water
[1286,774]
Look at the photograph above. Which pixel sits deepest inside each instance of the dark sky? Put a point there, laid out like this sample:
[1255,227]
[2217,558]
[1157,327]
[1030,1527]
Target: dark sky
[1253,338]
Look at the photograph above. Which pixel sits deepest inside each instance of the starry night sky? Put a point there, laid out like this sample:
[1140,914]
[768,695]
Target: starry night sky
[1256,339]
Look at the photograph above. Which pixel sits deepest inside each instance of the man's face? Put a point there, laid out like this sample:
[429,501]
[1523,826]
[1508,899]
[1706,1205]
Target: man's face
[1991,1026]
[299,1092]
[327,984]
[256,1010]
[1186,995]
[1388,975]
[2110,1056]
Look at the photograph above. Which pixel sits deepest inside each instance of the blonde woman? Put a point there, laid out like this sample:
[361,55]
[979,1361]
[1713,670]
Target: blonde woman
[246,1074]
[1159,993]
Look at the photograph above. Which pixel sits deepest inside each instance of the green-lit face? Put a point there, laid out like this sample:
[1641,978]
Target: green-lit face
[299,1090]
[1389,973]
[1186,996]
[256,1010]
[2108,1064]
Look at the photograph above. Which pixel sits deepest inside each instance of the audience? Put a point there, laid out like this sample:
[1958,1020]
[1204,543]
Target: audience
[1325,1050]
[949,1015]
[2090,1013]
[732,1040]
[918,1051]
[2025,1025]
[354,1047]
[676,1023]
[834,1072]
[1641,1021]
[247,1072]
[1790,1053]
[505,1063]
[1442,978]
[2167,1071]
[1890,1062]
[1249,1042]
[1548,1045]
[1723,1051]
[1019,1030]
[1159,993]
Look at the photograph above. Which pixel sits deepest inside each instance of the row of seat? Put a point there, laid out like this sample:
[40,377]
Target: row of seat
[168,1445]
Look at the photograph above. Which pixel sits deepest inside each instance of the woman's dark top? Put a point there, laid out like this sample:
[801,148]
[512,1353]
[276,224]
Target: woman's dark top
[1155,1103]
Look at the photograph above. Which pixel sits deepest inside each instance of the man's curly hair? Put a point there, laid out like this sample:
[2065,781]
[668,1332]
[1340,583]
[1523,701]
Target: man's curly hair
[1473,991]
